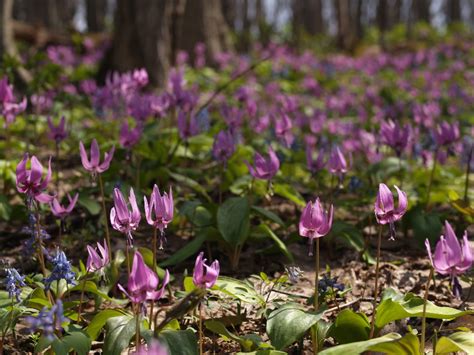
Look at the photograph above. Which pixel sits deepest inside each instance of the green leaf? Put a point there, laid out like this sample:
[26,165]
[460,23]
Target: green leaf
[322,329]
[91,205]
[280,245]
[91,287]
[5,208]
[263,352]
[289,323]
[238,289]
[351,236]
[185,252]
[350,327]
[269,214]
[411,306]
[78,341]
[193,184]
[119,332]
[360,346]
[460,341]
[219,328]
[179,342]
[99,320]
[424,224]
[233,220]
[407,345]
[289,192]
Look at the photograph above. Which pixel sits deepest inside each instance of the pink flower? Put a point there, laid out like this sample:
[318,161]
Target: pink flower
[98,257]
[128,136]
[31,181]
[154,348]
[451,257]
[57,133]
[143,282]
[205,276]
[121,218]
[265,169]
[385,211]
[162,206]
[60,211]
[315,222]
[9,108]
[93,165]
[395,136]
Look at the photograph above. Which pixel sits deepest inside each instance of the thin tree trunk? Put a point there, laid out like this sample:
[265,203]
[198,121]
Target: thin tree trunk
[96,14]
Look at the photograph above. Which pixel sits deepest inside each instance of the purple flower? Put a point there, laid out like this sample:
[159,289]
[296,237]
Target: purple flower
[61,270]
[13,283]
[187,125]
[451,257]
[93,165]
[130,137]
[9,108]
[142,282]
[283,128]
[445,133]
[42,102]
[60,211]
[314,165]
[30,182]
[395,136]
[264,169]
[121,218]
[224,146]
[337,163]
[315,222]
[385,211]
[162,206]
[205,276]
[98,257]
[48,321]
[154,348]
[57,133]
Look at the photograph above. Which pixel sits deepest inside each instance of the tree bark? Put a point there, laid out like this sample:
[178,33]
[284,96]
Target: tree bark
[349,28]
[453,11]
[307,18]
[96,14]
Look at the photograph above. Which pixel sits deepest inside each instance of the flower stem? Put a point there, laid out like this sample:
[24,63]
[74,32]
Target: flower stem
[468,171]
[316,293]
[423,319]
[430,184]
[107,233]
[155,236]
[200,329]
[376,291]
[40,242]
[79,308]
[137,327]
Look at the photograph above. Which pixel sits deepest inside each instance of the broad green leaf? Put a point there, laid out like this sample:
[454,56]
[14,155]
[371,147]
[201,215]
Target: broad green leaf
[191,248]
[193,184]
[322,329]
[233,220]
[287,324]
[269,214]
[263,352]
[351,236]
[360,346]
[407,345]
[91,205]
[119,332]
[91,287]
[350,327]
[219,328]
[280,245]
[289,192]
[5,208]
[78,341]
[460,341]
[99,320]
[238,289]
[188,284]
[179,342]
[411,306]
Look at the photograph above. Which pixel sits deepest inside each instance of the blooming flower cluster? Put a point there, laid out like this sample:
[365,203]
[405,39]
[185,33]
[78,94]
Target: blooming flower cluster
[13,283]
[61,270]
[48,320]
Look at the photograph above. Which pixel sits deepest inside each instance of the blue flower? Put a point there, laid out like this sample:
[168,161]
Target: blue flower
[48,320]
[13,283]
[61,270]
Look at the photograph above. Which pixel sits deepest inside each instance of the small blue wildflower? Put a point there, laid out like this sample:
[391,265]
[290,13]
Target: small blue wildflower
[48,320]
[61,270]
[13,283]
[328,282]
[354,184]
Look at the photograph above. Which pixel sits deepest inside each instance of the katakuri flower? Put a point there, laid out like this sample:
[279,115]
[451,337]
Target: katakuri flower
[143,282]
[451,257]
[205,276]
[9,108]
[121,218]
[57,133]
[446,133]
[385,211]
[98,257]
[159,212]
[264,169]
[59,210]
[93,165]
[337,164]
[31,181]
[395,136]
[223,147]
[315,222]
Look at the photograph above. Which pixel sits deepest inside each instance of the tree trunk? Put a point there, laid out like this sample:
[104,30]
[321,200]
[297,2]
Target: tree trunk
[421,10]
[307,18]
[349,27]
[382,20]
[453,11]
[96,13]
[229,10]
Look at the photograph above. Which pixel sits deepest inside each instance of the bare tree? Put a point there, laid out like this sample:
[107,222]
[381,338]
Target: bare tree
[453,11]
[96,14]
[349,28]
[307,18]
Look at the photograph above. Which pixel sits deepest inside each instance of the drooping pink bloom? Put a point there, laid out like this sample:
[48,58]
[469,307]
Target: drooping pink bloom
[395,136]
[283,126]
[130,136]
[31,182]
[60,211]
[123,219]
[205,276]
[315,222]
[98,257]
[446,134]
[9,108]
[153,348]
[159,212]
[385,211]
[224,146]
[57,133]
[42,103]
[143,282]
[451,257]
[93,165]
[264,169]
[337,164]
[314,165]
